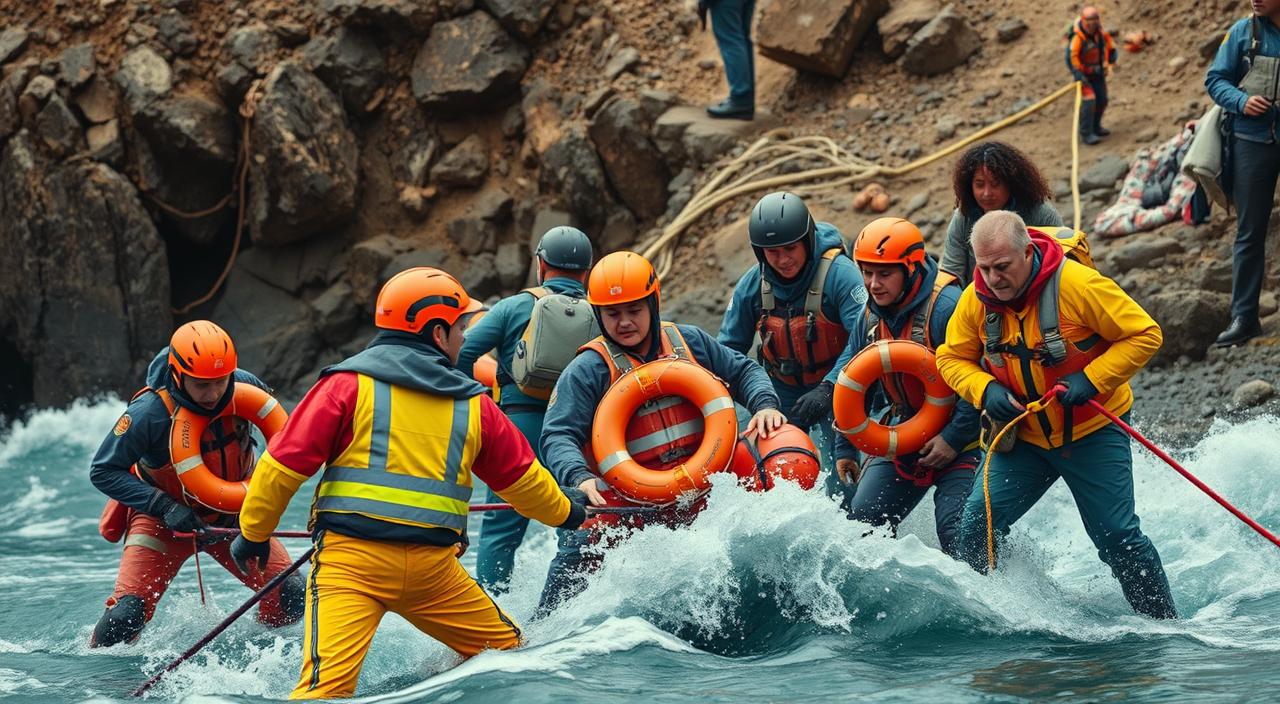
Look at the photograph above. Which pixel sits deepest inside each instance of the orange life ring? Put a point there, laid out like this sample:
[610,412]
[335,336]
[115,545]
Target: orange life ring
[248,402]
[663,377]
[787,454]
[874,361]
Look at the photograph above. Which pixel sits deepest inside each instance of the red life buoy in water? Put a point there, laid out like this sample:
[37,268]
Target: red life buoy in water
[248,402]
[663,377]
[787,454]
[874,361]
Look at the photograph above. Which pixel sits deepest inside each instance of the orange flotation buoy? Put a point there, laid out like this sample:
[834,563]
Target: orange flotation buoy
[663,377]
[248,402]
[787,454]
[485,371]
[874,361]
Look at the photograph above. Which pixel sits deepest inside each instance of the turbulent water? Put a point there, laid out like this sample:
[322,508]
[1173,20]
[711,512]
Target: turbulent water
[767,597]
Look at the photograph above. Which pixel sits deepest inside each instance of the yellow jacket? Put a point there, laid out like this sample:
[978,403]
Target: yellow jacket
[1091,306]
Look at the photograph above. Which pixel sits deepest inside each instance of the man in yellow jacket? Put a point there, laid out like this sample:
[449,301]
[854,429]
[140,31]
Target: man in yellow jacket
[400,434]
[1033,320]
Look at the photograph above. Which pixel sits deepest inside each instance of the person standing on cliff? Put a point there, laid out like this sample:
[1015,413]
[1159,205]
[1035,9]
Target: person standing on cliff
[1091,53]
[731,25]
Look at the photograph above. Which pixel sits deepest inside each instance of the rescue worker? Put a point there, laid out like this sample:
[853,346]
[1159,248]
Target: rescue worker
[564,257]
[801,300]
[1005,346]
[908,301]
[1245,80]
[400,433]
[623,290]
[1091,54]
[195,372]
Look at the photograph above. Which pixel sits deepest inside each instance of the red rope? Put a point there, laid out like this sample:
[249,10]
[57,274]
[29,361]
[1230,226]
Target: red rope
[1190,477]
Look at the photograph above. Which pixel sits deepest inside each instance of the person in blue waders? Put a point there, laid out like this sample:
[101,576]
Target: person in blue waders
[564,257]
[802,300]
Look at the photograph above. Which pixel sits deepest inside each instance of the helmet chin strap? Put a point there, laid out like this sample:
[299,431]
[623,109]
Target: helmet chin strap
[180,396]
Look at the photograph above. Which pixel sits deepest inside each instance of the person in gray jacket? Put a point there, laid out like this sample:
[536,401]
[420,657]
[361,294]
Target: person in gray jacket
[992,176]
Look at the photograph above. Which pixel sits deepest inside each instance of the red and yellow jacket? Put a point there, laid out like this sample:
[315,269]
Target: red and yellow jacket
[1091,53]
[1098,321]
[399,463]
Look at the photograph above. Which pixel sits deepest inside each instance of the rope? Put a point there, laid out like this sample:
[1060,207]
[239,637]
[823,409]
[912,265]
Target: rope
[248,108]
[1075,156]
[1032,407]
[195,546]
[776,149]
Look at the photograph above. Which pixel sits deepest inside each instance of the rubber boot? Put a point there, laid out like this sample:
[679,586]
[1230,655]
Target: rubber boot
[1145,586]
[120,623]
[1086,122]
[1098,129]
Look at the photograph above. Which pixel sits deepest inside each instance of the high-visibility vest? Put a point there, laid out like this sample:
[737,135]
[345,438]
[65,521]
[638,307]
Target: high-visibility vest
[409,460]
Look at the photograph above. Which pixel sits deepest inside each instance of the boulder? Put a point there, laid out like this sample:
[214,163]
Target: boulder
[944,43]
[293,267]
[177,33]
[468,63]
[58,128]
[619,232]
[1211,275]
[654,102]
[544,115]
[1252,393]
[1104,173]
[1010,30]
[84,301]
[12,41]
[247,52]
[336,314]
[1140,251]
[275,333]
[304,173]
[76,64]
[472,234]
[902,21]
[571,170]
[639,176]
[522,18]
[97,101]
[1190,321]
[480,276]
[512,263]
[430,255]
[366,262]
[396,16]
[350,62]
[144,77]
[686,135]
[465,165]
[816,35]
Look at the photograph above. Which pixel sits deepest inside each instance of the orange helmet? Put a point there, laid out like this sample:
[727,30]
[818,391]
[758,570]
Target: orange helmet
[417,296]
[201,350]
[622,277]
[890,241]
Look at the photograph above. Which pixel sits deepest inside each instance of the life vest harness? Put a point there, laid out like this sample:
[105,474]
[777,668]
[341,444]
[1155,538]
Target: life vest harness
[812,342]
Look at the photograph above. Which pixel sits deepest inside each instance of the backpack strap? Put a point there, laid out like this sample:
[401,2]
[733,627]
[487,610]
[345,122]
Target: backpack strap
[813,299]
[674,342]
[767,300]
[538,292]
[1055,348]
[920,322]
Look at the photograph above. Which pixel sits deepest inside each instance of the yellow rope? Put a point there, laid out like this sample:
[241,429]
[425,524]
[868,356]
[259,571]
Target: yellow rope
[1075,155]
[746,173]
[1032,407]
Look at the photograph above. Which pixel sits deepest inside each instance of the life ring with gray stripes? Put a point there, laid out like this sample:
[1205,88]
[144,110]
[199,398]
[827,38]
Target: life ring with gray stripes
[248,402]
[879,359]
[663,377]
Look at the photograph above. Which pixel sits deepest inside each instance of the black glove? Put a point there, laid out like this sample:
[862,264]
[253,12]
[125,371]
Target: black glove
[999,403]
[577,514]
[243,550]
[177,517]
[704,6]
[1079,389]
[813,406]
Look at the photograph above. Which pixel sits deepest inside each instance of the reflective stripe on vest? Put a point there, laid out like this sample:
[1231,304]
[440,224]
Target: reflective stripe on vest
[404,463]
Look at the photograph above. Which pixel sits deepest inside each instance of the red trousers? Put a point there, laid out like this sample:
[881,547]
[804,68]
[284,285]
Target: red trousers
[153,555]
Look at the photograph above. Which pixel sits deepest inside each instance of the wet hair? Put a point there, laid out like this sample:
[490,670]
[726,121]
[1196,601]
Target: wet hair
[1027,188]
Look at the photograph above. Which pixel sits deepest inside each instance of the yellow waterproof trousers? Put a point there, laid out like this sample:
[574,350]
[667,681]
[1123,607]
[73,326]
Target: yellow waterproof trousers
[354,582]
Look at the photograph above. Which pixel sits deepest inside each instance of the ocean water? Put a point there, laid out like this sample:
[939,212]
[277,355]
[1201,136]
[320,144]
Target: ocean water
[767,597]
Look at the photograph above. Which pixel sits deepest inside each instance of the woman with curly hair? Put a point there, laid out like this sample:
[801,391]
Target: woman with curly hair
[993,176]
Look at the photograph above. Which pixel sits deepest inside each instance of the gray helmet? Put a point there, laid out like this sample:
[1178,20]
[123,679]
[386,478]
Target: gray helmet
[778,219]
[565,247]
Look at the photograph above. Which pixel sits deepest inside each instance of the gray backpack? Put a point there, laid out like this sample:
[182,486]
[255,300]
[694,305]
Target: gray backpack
[558,326]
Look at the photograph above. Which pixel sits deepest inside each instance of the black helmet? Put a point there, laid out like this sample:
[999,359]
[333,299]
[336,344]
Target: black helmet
[565,247]
[780,218]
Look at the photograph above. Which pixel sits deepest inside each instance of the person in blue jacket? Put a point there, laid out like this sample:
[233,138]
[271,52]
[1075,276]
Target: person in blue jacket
[908,302]
[196,372]
[1245,80]
[564,256]
[801,301]
[624,293]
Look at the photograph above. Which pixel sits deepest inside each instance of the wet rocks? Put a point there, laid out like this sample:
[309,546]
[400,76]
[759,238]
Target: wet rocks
[275,333]
[1140,251]
[304,169]
[1190,321]
[816,35]
[1251,394]
[620,132]
[467,63]
[941,45]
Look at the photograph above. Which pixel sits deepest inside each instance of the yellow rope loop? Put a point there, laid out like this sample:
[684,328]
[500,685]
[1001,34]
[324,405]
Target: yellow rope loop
[1036,406]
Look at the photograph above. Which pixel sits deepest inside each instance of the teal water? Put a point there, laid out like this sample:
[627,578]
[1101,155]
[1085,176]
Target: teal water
[770,597]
